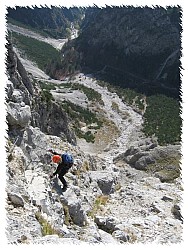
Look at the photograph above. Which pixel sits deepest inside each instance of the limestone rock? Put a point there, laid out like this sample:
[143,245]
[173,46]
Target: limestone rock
[76,212]
[106,223]
[56,240]
[146,154]
[177,212]
[17,96]
[18,115]
[16,200]
[143,161]
[140,208]
[107,238]
[120,235]
[104,179]
[9,89]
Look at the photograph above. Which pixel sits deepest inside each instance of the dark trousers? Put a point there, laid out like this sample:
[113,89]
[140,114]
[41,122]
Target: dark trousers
[61,177]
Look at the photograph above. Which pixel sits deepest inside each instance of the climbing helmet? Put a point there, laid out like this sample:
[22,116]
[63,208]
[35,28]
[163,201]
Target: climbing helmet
[56,158]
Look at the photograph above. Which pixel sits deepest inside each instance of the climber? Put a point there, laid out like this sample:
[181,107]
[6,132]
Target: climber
[65,162]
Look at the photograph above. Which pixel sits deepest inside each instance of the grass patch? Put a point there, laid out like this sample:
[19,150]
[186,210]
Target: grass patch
[46,96]
[47,85]
[91,94]
[98,205]
[68,220]
[118,186]
[85,168]
[79,114]
[46,227]
[115,107]
[161,163]
[167,175]
[132,236]
[37,51]
[166,169]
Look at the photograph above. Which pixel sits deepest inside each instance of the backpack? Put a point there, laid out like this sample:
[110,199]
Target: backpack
[68,159]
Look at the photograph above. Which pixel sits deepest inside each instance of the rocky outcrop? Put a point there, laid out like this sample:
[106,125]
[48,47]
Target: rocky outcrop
[18,76]
[104,179]
[163,161]
[16,200]
[92,210]
[76,212]
[27,104]
[107,224]
[51,119]
[18,114]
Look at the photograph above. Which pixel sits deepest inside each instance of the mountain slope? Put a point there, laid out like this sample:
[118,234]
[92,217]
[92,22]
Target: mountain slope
[99,186]
[132,47]
[123,188]
[160,118]
[55,21]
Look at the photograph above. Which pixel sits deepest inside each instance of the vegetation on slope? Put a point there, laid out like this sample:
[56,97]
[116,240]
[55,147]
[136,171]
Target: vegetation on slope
[20,24]
[162,114]
[167,169]
[79,114]
[69,64]
[91,94]
[54,21]
[130,96]
[162,118]
[39,52]
[117,44]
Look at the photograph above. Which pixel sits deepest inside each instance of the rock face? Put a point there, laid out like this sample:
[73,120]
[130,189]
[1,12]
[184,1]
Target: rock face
[27,104]
[44,115]
[74,206]
[18,114]
[108,199]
